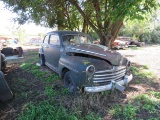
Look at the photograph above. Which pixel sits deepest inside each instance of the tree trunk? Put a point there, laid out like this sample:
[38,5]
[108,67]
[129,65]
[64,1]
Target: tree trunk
[84,26]
[110,35]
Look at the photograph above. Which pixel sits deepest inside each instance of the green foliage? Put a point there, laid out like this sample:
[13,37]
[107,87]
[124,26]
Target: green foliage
[145,37]
[133,69]
[25,66]
[155,36]
[46,111]
[134,48]
[148,103]
[142,72]
[38,74]
[105,17]
[52,78]
[145,67]
[91,116]
[49,91]
[124,112]
[155,94]
[143,103]
[152,37]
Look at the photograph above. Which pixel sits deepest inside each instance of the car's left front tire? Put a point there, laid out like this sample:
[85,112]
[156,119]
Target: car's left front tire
[69,82]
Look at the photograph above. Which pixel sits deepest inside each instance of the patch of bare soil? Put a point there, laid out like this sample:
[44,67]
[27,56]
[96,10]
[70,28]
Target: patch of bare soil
[147,55]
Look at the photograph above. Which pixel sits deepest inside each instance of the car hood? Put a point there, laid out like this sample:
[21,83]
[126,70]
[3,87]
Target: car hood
[100,51]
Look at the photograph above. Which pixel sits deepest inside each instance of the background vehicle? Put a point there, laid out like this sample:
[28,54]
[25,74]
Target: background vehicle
[131,41]
[119,44]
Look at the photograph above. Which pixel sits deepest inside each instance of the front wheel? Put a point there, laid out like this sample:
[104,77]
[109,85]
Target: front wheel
[69,82]
[5,91]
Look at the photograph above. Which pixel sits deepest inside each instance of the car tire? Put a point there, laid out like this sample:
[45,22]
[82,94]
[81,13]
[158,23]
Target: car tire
[42,60]
[20,51]
[3,65]
[69,83]
[5,91]
[7,51]
[3,62]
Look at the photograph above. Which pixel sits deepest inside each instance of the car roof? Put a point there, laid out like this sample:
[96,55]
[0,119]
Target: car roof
[61,32]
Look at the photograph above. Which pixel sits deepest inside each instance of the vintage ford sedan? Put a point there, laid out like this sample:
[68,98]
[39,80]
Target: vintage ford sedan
[83,65]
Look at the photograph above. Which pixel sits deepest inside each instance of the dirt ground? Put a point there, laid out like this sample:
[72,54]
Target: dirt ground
[147,55]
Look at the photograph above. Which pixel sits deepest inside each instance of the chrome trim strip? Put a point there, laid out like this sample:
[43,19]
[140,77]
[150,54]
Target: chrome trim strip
[112,70]
[112,77]
[88,51]
[100,81]
[109,74]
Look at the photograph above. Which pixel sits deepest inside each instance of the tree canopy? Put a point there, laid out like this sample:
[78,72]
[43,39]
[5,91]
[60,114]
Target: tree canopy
[105,17]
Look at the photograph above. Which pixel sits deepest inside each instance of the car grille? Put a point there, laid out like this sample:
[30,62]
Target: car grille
[104,77]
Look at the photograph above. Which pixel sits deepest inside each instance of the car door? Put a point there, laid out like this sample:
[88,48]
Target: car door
[45,47]
[53,51]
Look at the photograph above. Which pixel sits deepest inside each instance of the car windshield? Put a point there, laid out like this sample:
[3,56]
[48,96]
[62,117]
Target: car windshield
[75,39]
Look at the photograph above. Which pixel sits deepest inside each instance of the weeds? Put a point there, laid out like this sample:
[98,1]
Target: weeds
[141,73]
[123,112]
[144,103]
[47,110]
[145,67]
[52,78]
[49,91]
[147,103]
[25,66]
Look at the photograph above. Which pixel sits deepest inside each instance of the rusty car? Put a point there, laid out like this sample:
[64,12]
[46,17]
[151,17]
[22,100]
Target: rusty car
[130,41]
[82,65]
[118,44]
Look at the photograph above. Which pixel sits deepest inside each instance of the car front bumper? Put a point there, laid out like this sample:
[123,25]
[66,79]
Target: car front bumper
[113,85]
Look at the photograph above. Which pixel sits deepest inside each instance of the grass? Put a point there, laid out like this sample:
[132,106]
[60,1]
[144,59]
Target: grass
[50,111]
[134,48]
[145,103]
[123,112]
[41,95]
[142,72]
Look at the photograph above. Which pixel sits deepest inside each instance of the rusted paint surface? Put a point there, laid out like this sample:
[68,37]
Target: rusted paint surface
[94,50]
[92,66]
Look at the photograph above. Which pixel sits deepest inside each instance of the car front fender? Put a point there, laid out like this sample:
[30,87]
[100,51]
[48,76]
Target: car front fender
[41,51]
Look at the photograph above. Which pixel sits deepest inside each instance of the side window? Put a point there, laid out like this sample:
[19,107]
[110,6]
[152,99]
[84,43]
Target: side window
[54,40]
[46,39]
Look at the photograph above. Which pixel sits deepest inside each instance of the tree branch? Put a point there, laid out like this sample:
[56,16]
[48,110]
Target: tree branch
[97,9]
[73,2]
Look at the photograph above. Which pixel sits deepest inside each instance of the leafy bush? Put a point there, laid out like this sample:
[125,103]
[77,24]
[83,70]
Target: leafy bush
[145,37]
[152,37]
[155,36]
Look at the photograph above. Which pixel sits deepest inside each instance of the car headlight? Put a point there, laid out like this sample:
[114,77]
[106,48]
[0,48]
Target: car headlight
[90,70]
[128,64]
